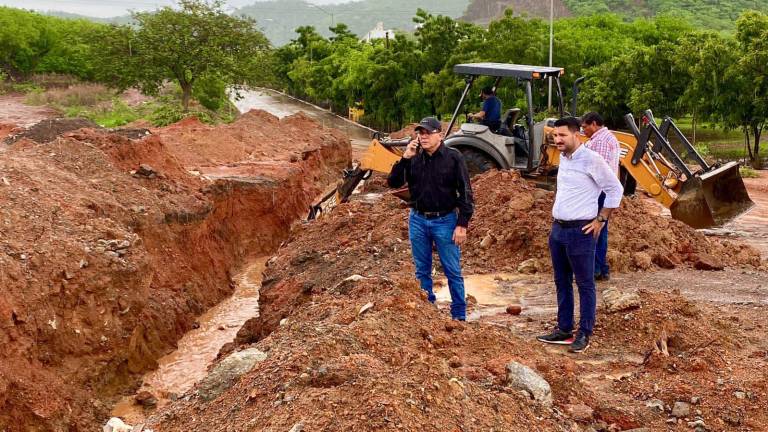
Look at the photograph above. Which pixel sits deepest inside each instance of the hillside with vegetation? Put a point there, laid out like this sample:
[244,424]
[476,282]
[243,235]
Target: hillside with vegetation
[279,18]
[708,14]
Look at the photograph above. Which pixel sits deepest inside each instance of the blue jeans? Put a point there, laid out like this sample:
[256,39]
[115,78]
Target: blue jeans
[573,254]
[423,234]
[601,250]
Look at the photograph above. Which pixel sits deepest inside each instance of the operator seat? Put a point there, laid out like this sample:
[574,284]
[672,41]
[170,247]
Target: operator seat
[510,128]
[508,120]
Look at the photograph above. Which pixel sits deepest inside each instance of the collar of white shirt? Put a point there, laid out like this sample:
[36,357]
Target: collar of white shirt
[575,153]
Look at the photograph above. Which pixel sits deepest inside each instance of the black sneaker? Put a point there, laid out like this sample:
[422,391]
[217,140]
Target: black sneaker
[557,337]
[580,344]
[602,276]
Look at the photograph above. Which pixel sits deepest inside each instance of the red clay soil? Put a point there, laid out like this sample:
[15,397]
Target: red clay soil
[6,129]
[104,268]
[514,219]
[403,365]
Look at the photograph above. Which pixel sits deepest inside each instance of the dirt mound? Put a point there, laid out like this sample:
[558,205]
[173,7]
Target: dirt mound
[410,130]
[400,364]
[513,219]
[254,137]
[358,347]
[48,130]
[111,247]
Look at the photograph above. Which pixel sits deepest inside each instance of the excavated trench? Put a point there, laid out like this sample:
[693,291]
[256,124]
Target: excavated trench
[113,249]
[179,370]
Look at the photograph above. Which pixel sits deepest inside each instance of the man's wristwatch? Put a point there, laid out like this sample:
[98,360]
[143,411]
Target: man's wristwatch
[601,218]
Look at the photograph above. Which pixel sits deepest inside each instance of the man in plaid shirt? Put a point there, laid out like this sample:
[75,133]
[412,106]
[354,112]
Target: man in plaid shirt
[604,143]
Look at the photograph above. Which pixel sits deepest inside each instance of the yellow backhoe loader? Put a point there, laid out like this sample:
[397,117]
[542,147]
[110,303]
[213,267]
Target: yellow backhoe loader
[703,196]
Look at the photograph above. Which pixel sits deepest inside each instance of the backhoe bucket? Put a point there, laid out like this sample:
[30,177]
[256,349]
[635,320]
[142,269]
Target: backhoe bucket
[713,198]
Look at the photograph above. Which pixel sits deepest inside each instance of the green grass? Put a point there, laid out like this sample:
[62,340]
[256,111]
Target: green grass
[713,142]
[747,172]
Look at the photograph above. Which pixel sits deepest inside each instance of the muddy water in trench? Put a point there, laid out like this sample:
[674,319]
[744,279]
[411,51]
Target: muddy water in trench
[181,369]
[282,105]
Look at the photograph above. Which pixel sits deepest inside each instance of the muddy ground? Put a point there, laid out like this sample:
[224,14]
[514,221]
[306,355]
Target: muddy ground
[111,246]
[350,342]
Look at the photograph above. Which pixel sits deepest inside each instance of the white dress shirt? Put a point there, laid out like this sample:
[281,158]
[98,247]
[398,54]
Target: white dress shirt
[580,179]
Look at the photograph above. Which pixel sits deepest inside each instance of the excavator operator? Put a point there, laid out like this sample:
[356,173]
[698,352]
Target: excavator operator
[490,115]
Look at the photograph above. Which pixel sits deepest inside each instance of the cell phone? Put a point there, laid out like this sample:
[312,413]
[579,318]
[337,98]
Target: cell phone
[418,144]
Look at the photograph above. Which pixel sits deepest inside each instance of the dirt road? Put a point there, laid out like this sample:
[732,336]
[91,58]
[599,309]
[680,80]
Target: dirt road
[14,111]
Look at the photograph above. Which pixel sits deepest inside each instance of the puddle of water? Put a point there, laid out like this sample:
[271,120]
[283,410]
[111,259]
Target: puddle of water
[281,106]
[495,291]
[181,369]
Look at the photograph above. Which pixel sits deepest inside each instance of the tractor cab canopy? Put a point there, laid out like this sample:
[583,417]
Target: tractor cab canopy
[524,76]
[503,70]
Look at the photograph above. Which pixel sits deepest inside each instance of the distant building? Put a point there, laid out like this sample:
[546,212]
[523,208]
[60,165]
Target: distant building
[378,32]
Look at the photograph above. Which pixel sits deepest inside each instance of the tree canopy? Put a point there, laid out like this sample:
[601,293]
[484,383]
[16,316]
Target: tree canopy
[196,42]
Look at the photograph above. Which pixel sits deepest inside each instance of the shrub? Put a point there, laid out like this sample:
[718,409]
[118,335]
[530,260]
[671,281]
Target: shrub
[748,172]
[78,95]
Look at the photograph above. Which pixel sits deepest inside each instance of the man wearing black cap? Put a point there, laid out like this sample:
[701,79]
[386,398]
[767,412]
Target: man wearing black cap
[441,207]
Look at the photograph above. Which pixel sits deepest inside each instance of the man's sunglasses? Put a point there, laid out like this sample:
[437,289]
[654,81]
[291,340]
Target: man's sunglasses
[426,132]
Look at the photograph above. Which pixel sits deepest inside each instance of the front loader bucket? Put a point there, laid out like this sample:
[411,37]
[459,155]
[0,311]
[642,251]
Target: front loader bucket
[713,198]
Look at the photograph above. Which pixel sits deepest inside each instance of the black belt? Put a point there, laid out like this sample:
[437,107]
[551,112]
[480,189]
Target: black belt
[433,215]
[573,223]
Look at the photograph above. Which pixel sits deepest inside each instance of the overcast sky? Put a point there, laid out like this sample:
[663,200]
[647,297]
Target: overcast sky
[110,8]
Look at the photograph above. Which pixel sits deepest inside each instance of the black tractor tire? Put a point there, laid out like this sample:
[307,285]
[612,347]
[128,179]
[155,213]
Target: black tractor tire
[477,161]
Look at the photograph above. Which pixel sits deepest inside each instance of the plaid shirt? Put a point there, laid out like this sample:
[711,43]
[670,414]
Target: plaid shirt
[604,143]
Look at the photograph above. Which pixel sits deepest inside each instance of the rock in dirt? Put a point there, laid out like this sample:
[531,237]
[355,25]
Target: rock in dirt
[455,362]
[298,427]
[580,412]
[664,261]
[708,262]
[226,373]
[116,425]
[681,409]
[453,325]
[521,377]
[529,266]
[642,261]
[146,171]
[368,306]
[655,404]
[616,300]
[346,285]
[514,309]
[145,398]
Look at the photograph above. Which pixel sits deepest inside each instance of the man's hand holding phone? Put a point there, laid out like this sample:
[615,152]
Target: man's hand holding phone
[412,149]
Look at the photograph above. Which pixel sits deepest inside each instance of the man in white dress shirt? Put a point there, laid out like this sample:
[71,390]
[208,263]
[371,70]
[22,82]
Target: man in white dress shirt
[582,175]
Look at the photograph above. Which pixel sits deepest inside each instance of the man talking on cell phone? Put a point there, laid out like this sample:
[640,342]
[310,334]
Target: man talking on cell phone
[441,207]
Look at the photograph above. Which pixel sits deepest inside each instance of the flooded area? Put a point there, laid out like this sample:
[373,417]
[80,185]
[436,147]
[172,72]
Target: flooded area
[282,105]
[495,291]
[181,369]
[751,227]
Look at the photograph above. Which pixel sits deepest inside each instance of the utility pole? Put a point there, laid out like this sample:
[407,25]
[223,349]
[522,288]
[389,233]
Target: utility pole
[551,44]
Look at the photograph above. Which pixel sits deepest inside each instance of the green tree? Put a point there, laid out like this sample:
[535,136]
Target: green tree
[197,41]
[751,71]
[25,38]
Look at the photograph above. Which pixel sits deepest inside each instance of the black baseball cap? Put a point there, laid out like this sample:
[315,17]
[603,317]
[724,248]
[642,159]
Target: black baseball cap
[430,124]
